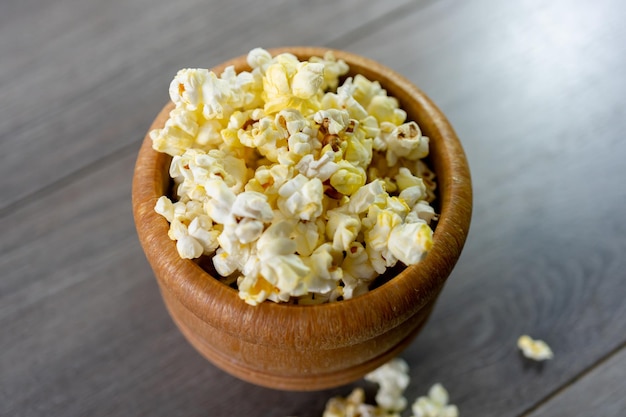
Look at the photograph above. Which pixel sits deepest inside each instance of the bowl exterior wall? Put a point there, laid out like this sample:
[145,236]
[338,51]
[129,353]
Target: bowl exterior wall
[289,367]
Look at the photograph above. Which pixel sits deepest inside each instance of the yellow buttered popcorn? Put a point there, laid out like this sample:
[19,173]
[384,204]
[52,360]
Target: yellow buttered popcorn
[300,189]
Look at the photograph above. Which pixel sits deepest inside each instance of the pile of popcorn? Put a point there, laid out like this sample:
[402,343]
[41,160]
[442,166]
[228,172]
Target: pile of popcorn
[392,379]
[300,189]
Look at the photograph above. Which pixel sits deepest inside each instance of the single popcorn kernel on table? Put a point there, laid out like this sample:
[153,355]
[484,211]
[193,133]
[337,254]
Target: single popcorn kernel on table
[298,189]
[537,350]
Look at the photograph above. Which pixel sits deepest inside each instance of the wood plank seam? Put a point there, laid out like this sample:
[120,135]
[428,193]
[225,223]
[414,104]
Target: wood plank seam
[566,385]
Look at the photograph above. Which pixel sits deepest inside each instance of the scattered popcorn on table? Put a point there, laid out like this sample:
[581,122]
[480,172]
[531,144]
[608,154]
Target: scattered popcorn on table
[435,404]
[354,406]
[534,349]
[393,378]
[299,188]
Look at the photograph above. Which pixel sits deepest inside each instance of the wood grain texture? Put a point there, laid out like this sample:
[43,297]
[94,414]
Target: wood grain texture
[600,392]
[81,80]
[534,89]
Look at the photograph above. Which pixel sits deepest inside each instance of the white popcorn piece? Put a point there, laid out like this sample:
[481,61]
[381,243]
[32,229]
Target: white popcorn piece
[412,195]
[392,378]
[308,80]
[435,404]
[254,289]
[165,208]
[372,193]
[406,141]
[301,197]
[308,236]
[178,134]
[222,198]
[537,350]
[290,120]
[342,228]
[248,230]
[188,247]
[216,95]
[252,205]
[358,271]
[186,87]
[354,406]
[324,273]
[224,263]
[201,229]
[348,178]
[385,109]
[333,121]
[365,90]
[405,179]
[259,58]
[359,150]
[333,69]
[344,99]
[379,223]
[424,211]
[408,242]
[288,83]
[322,168]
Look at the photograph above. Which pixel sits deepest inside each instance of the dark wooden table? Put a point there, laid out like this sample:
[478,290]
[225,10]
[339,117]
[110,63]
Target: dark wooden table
[535,89]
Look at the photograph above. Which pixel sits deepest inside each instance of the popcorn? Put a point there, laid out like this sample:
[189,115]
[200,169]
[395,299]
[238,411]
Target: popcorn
[406,141]
[300,189]
[408,242]
[358,271]
[259,58]
[435,404]
[385,109]
[186,88]
[534,349]
[353,406]
[324,274]
[178,134]
[301,197]
[343,228]
[332,121]
[367,195]
[392,379]
[308,80]
[322,169]
[333,69]
[348,178]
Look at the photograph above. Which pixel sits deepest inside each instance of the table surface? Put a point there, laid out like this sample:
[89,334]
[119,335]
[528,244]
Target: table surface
[536,91]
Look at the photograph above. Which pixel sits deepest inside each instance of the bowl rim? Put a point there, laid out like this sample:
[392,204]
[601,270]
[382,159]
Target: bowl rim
[328,325]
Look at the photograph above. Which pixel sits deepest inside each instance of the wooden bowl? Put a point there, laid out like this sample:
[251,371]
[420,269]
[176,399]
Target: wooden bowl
[303,348]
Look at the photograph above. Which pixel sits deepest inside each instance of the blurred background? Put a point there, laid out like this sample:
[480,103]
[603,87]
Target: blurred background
[535,90]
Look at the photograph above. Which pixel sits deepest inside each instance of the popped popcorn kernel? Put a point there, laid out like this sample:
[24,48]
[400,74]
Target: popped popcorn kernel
[348,178]
[406,141]
[354,406]
[299,189]
[333,69]
[408,242]
[301,197]
[435,404]
[392,379]
[537,350]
